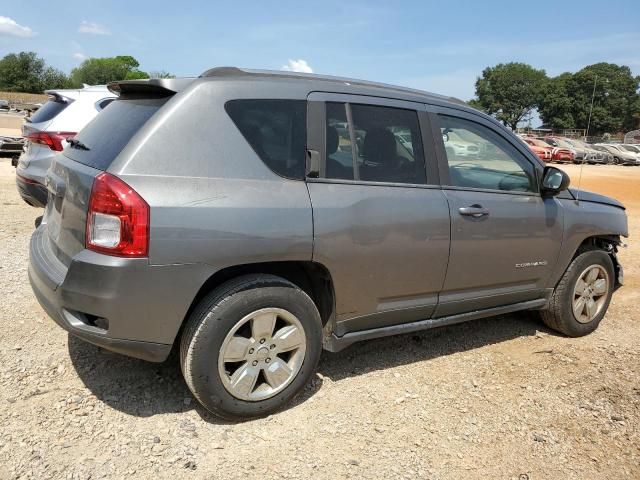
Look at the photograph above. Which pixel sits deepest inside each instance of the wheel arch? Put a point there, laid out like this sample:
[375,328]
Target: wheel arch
[311,277]
[608,243]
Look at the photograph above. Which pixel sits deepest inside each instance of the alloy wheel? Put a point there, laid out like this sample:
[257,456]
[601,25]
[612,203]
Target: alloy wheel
[262,354]
[590,293]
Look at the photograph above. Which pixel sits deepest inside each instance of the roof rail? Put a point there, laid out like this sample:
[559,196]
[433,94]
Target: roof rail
[246,72]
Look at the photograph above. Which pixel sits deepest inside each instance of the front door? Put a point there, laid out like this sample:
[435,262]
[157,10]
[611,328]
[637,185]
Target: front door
[505,237]
[381,222]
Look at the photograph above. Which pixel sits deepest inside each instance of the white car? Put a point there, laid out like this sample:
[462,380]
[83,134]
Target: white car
[635,149]
[47,131]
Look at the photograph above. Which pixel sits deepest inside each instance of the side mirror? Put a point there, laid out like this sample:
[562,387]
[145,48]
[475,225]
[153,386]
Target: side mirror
[554,181]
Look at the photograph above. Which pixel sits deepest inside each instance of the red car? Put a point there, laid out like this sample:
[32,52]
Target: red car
[558,154]
[541,149]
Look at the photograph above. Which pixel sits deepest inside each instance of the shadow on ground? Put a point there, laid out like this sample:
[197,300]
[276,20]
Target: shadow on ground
[144,389]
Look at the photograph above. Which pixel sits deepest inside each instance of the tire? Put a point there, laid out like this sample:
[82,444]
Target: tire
[616,161]
[212,325]
[560,315]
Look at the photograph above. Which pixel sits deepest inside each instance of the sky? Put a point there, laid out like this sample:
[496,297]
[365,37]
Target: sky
[438,46]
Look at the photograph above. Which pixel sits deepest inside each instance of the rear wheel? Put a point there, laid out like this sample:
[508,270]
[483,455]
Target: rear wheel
[582,297]
[250,346]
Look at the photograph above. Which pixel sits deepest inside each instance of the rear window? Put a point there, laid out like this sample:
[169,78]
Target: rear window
[110,131]
[276,130]
[49,110]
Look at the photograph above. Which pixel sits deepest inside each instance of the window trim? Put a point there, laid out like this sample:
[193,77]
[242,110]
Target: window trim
[431,177]
[443,163]
[99,106]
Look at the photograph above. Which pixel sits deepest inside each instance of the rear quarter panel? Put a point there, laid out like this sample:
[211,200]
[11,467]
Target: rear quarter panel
[212,199]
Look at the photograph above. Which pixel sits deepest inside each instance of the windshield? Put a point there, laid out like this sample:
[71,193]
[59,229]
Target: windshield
[563,143]
[631,148]
[537,143]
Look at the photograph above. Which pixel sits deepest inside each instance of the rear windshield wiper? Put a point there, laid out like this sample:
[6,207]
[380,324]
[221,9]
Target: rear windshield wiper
[75,143]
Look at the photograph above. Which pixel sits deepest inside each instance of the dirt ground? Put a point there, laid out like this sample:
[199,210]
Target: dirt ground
[496,398]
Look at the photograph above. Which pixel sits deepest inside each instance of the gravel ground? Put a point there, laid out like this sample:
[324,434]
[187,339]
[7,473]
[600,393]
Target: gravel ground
[496,398]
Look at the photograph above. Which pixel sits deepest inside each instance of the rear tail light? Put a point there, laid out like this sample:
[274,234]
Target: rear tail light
[117,219]
[53,140]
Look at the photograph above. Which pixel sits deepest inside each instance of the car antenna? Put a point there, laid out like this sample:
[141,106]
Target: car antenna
[593,96]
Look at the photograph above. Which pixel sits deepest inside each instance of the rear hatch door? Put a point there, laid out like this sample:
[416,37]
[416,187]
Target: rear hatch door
[70,178]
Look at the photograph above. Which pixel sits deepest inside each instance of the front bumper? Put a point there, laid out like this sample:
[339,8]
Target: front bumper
[123,305]
[31,191]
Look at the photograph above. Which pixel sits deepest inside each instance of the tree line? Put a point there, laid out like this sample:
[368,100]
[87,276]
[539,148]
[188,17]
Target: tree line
[508,91]
[26,72]
[511,91]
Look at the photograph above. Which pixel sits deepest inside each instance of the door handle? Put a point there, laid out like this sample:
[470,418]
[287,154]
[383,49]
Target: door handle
[475,211]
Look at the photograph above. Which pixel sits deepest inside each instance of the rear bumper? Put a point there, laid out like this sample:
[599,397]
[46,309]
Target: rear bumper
[31,191]
[123,305]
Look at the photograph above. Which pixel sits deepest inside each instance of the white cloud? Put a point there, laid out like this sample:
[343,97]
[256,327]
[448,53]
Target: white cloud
[11,28]
[297,66]
[93,28]
[79,56]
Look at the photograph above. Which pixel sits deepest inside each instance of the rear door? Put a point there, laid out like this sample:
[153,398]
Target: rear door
[381,222]
[505,237]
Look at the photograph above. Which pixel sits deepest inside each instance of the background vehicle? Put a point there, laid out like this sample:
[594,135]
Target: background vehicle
[540,148]
[635,149]
[46,132]
[579,154]
[593,156]
[620,155]
[4,105]
[253,247]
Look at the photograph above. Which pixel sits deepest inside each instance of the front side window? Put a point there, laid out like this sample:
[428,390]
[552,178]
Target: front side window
[276,130]
[388,147]
[480,158]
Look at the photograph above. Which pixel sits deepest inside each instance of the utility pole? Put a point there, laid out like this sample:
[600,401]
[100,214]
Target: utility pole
[593,96]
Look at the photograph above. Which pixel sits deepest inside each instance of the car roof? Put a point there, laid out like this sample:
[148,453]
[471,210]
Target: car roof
[279,75]
[319,83]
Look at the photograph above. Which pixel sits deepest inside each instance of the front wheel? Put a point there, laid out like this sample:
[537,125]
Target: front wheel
[582,296]
[250,346]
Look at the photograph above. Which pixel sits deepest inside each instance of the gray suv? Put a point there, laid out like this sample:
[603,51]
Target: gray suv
[252,218]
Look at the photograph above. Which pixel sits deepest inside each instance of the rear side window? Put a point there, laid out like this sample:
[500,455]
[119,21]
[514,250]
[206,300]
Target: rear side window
[49,110]
[110,131]
[276,130]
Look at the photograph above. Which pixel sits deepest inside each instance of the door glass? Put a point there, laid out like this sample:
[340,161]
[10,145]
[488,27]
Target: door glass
[388,144]
[480,158]
[339,149]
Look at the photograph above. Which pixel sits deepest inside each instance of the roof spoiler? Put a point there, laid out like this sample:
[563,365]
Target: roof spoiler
[58,96]
[153,87]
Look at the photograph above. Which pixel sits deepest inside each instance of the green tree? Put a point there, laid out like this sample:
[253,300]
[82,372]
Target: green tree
[26,72]
[509,91]
[98,71]
[616,101]
[161,74]
[555,107]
